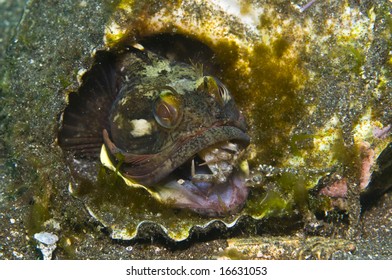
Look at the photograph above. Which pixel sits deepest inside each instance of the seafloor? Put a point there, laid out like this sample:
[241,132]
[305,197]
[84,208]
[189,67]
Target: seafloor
[57,38]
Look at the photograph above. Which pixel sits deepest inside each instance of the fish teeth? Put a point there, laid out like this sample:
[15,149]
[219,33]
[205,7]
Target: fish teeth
[193,169]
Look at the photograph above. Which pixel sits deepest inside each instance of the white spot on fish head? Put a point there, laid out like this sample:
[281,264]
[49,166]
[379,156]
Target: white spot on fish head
[140,127]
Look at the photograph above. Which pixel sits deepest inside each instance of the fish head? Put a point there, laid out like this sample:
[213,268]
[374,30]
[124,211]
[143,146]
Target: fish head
[178,132]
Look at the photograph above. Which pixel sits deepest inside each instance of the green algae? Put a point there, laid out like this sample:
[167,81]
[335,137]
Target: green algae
[277,106]
[39,213]
[348,156]
[134,28]
[233,254]
[269,203]
[271,87]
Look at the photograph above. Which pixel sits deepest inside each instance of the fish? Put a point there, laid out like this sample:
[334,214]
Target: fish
[166,126]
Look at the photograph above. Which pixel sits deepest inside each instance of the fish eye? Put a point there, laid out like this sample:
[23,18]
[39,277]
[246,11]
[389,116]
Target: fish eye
[167,109]
[216,89]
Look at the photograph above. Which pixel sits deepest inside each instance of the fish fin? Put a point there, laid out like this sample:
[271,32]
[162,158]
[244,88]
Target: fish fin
[87,112]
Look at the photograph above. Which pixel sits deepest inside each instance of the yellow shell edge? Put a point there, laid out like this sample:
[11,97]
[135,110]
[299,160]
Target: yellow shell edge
[105,160]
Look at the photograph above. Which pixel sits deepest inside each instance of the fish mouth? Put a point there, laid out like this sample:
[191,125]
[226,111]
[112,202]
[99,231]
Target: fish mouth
[211,183]
[204,172]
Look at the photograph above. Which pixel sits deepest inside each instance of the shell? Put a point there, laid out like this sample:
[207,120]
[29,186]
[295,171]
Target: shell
[316,92]
[301,124]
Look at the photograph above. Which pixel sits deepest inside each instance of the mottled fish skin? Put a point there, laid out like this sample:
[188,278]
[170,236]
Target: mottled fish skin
[163,114]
